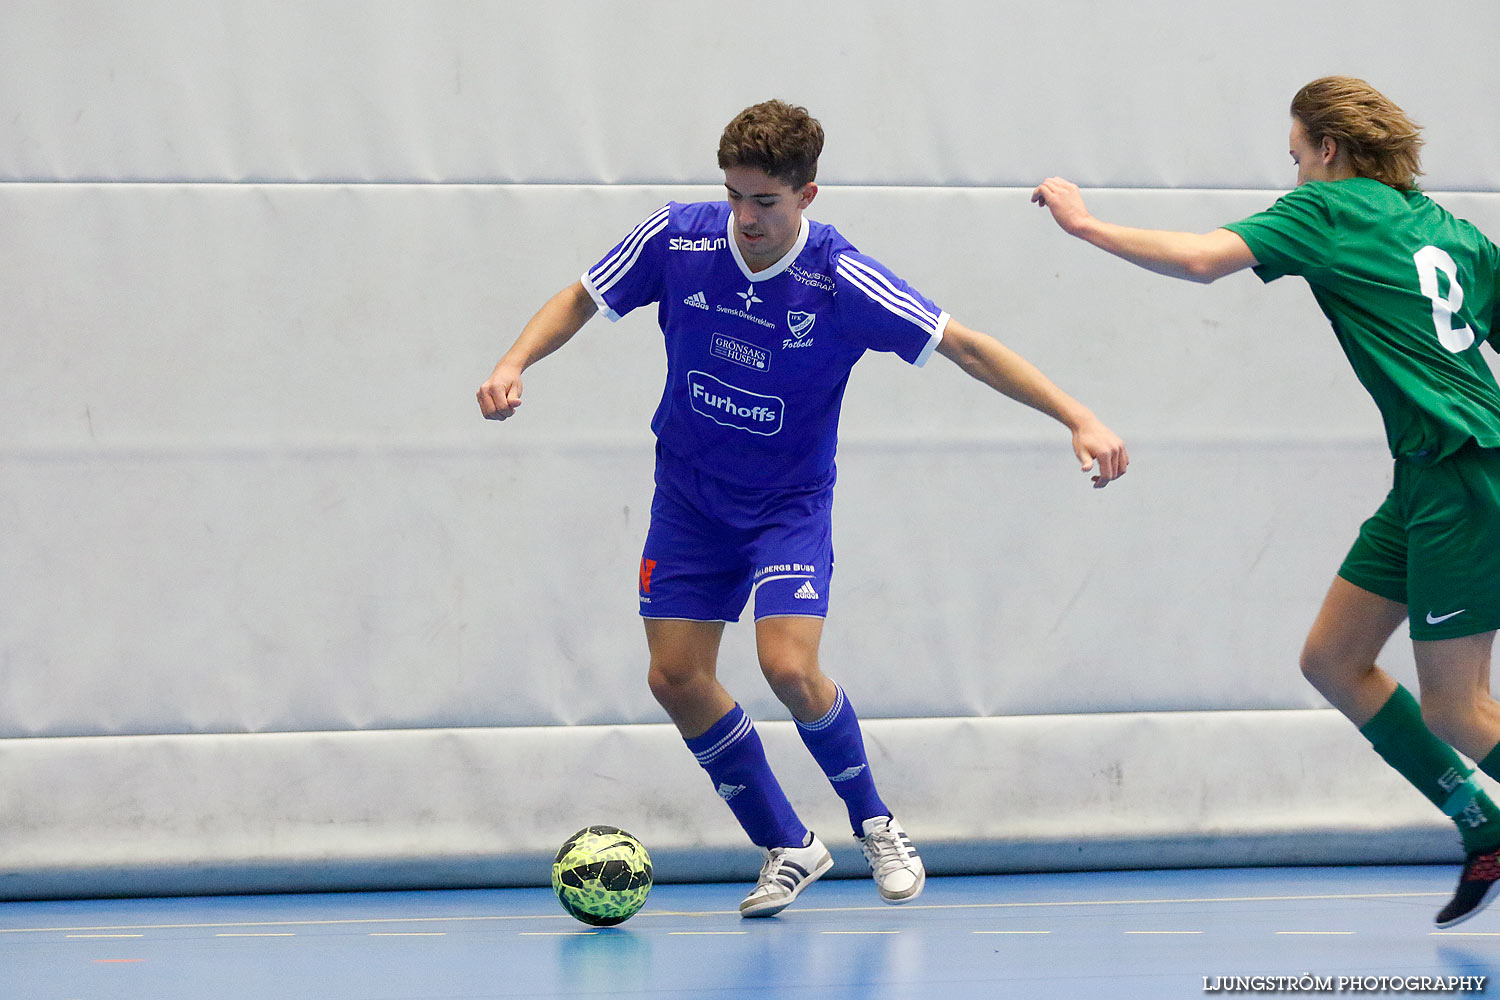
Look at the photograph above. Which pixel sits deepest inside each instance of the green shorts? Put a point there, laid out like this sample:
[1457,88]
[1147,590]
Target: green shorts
[1434,545]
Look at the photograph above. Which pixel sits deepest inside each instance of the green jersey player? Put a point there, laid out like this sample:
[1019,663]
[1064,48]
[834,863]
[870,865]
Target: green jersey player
[1411,292]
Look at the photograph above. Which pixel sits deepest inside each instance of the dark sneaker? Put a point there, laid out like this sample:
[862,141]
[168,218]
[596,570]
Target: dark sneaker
[787,871]
[1476,887]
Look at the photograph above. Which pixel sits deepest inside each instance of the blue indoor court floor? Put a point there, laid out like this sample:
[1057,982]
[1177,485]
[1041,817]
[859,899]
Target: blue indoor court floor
[1150,934]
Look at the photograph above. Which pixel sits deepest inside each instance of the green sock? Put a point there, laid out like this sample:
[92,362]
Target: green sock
[1401,737]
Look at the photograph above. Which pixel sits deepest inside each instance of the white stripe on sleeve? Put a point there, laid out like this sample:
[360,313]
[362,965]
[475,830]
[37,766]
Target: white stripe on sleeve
[880,291]
[607,272]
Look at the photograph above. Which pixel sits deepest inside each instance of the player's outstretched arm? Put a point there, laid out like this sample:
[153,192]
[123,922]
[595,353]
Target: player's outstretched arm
[1202,257]
[997,366]
[552,326]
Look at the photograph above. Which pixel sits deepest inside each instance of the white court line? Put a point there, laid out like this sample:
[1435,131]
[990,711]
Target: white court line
[720,913]
[1010,932]
[408,934]
[1122,902]
[258,934]
[363,921]
[1319,933]
[1163,932]
[558,933]
[703,933]
[1464,933]
[94,936]
[859,932]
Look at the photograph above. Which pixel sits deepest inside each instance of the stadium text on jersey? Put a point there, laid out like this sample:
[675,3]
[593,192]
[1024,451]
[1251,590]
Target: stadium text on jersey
[704,243]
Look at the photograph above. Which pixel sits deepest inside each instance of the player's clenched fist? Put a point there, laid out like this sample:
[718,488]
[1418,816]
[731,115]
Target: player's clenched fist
[501,394]
[1093,442]
[1065,202]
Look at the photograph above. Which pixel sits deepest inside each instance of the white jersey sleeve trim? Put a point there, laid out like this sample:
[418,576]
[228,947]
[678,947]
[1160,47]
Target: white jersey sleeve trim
[937,338]
[588,286]
[619,262]
[878,289]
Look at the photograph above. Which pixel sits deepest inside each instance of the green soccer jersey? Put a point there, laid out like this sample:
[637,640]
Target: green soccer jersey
[1411,292]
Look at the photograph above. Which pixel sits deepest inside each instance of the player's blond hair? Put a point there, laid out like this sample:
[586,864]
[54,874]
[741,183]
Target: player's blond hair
[1382,142]
[781,139]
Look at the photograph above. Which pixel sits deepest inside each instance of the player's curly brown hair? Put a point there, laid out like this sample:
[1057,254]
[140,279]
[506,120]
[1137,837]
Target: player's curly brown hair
[1382,142]
[779,138]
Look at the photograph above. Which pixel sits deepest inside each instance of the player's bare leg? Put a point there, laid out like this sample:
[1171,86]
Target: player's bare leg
[1338,658]
[1454,675]
[788,651]
[828,725]
[684,672]
[1457,706]
[683,677]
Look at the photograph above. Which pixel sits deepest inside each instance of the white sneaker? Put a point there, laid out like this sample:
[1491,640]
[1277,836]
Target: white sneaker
[787,871]
[898,871]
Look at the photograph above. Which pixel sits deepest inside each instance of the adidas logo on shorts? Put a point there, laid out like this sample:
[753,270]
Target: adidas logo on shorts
[806,592]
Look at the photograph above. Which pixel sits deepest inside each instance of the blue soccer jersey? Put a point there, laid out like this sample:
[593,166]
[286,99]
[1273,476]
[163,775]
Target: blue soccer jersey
[757,362]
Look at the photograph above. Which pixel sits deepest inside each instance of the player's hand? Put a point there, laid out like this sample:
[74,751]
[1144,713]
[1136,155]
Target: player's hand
[500,395]
[1093,442]
[1065,202]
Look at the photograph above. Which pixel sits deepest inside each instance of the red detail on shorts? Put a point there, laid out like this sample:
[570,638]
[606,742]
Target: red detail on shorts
[647,565]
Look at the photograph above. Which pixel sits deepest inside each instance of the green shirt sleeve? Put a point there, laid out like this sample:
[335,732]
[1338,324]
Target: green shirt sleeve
[1293,236]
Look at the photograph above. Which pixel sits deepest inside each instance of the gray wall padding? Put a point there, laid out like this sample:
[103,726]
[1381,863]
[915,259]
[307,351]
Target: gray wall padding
[278,610]
[391,809]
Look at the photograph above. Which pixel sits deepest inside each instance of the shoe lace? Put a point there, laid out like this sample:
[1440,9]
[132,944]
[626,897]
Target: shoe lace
[771,865]
[885,850]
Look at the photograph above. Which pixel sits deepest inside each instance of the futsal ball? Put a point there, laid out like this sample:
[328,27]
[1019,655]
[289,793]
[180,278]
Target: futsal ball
[602,875]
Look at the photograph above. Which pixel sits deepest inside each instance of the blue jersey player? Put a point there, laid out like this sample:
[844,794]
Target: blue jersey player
[764,313]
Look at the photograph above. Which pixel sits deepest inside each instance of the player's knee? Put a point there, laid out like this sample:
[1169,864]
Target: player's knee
[1330,667]
[1447,718]
[674,687]
[666,685]
[1318,664]
[793,680]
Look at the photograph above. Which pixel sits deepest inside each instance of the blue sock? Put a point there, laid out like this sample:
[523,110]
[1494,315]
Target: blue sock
[732,755]
[836,744]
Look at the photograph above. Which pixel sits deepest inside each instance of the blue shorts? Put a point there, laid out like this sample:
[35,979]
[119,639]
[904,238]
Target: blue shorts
[712,544]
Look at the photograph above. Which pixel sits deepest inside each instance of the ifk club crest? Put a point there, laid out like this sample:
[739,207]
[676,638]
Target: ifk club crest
[801,323]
